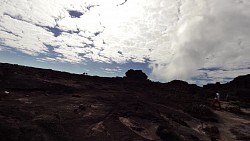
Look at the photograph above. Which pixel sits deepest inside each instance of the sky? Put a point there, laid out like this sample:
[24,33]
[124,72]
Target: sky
[198,41]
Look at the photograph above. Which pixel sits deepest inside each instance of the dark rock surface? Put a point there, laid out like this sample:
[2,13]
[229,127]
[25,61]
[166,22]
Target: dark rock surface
[46,105]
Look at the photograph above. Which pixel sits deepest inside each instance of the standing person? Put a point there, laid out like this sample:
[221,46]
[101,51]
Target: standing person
[216,100]
[218,96]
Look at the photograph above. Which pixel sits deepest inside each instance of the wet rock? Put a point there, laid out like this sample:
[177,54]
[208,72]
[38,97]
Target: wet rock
[139,129]
[213,132]
[181,122]
[75,110]
[194,138]
[202,112]
[82,107]
[233,109]
[242,132]
[168,134]
[57,116]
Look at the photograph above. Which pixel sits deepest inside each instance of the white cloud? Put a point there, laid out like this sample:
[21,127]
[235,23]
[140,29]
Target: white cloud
[178,37]
[112,70]
[23,35]
[209,36]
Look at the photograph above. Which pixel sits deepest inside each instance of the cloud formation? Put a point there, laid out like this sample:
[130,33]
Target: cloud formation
[213,34]
[179,39]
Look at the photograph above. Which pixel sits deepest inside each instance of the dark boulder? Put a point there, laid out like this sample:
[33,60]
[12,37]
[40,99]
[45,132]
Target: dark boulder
[136,75]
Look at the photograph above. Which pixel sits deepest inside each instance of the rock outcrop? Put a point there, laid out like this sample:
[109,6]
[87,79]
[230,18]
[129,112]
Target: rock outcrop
[136,75]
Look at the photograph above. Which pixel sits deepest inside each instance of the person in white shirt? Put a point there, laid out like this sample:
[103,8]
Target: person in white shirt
[216,101]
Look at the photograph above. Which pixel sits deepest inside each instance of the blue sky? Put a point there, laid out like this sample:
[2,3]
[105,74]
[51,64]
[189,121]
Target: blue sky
[196,41]
[91,68]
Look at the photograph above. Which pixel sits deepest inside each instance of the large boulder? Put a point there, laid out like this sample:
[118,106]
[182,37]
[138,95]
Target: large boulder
[136,75]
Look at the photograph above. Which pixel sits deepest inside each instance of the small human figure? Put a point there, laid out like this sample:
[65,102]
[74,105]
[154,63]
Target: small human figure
[218,96]
[216,101]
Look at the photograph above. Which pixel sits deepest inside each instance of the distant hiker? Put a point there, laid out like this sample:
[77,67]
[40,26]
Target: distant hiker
[216,101]
[227,98]
[218,96]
